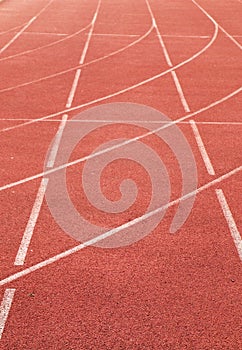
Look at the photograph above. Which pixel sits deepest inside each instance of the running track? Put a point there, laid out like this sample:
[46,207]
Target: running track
[181,291]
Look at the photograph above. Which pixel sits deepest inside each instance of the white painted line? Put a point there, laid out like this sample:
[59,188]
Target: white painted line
[28,233]
[82,59]
[180,91]
[17,35]
[168,60]
[5,308]
[84,53]
[56,144]
[116,34]
[115,230]
[162,35]
[230,221]
[186,36]
[37,176]
[79,66]
[25,27]
[46,33]
[122,121]
[220,27]
[154,77]
[44,46]
[202,148]
[73,88]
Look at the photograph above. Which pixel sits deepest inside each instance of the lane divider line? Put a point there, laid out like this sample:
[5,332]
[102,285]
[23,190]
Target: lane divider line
[5,308]
[230,221]
[56,143]
[28,233]
[73,88]
[168,60]
[81,246]
[202,148]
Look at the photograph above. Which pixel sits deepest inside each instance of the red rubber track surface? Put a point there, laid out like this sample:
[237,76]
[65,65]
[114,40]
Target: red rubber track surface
[169,292]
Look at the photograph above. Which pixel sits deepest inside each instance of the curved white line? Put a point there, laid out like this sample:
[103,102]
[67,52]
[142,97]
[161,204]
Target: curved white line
[37,176]
[220,27]
[123,90]
[114,53]
[23,53]
[142,37]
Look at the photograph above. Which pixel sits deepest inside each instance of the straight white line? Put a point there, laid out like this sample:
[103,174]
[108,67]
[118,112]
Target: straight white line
[83,56]
[186,36]
[220,27]
[46,33]
[121,144]
[116,34]
[122,121]
[73,88]
[202,148]
[56,143]
[17,35]
[168,60]
[230,221]
[163,35]
[113,231]
[82,59]
[180,91]
[28,233]
[5,308]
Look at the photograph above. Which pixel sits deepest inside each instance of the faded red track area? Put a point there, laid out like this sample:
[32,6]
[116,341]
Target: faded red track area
[166,291]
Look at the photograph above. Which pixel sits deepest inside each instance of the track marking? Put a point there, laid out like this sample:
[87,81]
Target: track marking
[5,308]
[79,247]
[25,27]
[163,35]
[168,60]
[117,93]
[56,144]
[17,35]
[220,27]
[37,176]
[202,148]
[45,46]
[73,88]
[46,33]
[79,66]
[82,59]
[230,221]
[205,48]
[122,121]
[28,233]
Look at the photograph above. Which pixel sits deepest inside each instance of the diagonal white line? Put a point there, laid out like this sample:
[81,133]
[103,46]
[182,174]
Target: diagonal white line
[202,148]
[5,308]
[230,221]
[79,247]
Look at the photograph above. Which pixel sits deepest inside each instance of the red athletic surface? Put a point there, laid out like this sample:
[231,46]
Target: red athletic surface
[165,292]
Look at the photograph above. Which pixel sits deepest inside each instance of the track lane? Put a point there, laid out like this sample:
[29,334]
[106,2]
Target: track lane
[109,282]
